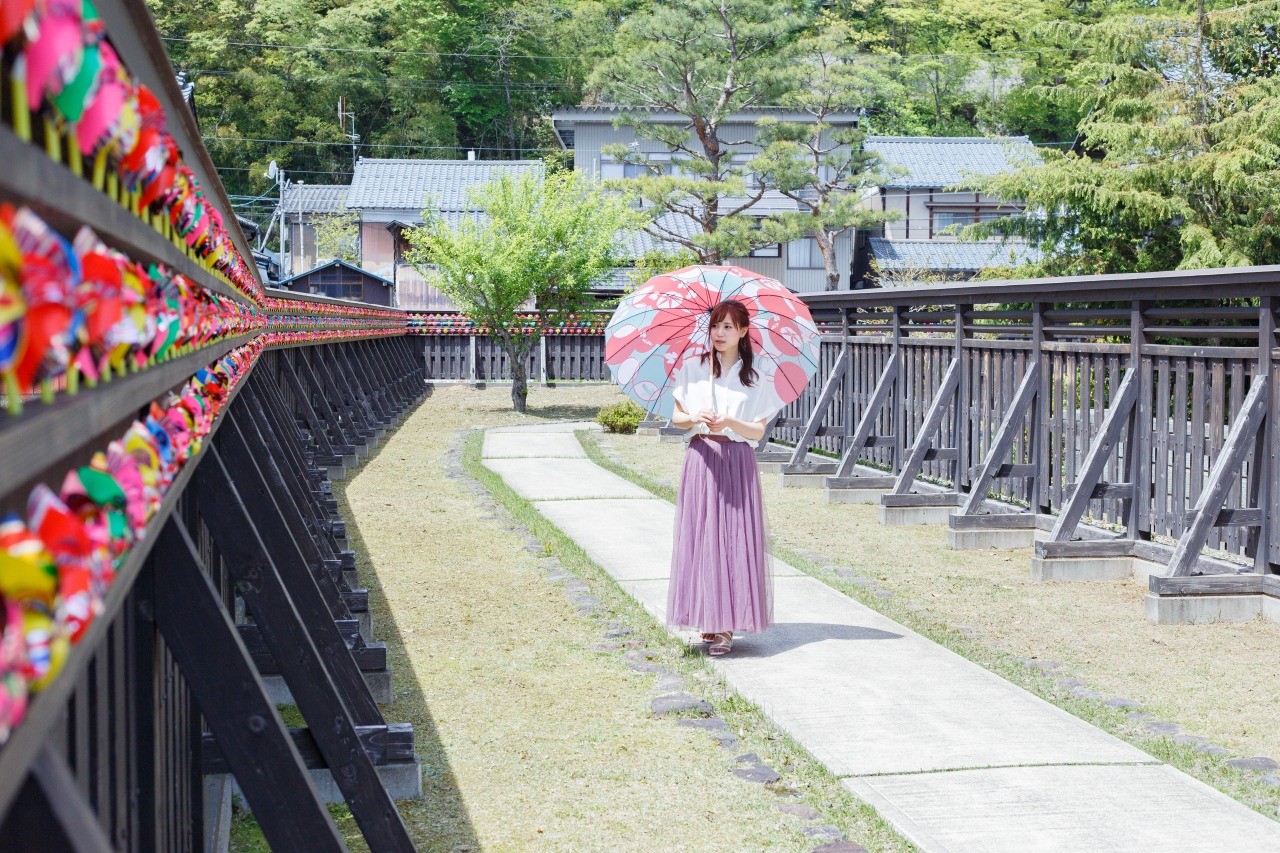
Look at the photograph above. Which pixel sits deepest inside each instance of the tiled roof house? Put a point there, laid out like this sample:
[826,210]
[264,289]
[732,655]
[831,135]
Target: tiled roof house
[922,244]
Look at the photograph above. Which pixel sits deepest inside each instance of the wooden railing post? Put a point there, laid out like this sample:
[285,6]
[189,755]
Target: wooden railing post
[1137,445]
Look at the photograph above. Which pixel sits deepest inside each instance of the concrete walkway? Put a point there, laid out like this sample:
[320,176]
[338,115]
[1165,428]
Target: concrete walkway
[955,757]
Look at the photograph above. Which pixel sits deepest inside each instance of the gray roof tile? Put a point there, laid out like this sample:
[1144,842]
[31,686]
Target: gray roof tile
[936,255]
[315,198]
[944,161]
[411,184]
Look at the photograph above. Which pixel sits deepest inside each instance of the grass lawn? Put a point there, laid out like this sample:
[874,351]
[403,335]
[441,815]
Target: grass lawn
[530,725]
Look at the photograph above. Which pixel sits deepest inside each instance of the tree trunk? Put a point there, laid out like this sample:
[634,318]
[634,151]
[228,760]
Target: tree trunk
[519,376]
[519,385]
[827,246]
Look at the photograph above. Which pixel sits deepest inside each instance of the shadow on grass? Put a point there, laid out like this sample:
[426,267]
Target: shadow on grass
[439,821]
[564,412]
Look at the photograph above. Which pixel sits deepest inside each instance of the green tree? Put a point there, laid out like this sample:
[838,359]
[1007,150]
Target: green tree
[337,236]
[536,242]
[820,166]
[703,61]
[1177,166]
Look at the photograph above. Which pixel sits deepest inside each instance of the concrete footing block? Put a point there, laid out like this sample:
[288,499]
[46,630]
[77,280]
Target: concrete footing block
[403,781]
[854,496]
[802,481]
[1194,609]
[646,430]
[1081,568]
[983,540]
[366,625]
[1144,570]
[379,682]
[900,516]
[217,812]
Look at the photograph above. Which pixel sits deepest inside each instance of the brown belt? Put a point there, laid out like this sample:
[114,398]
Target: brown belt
[710,437]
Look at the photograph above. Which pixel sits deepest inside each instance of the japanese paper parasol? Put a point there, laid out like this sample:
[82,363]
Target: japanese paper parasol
[665,322]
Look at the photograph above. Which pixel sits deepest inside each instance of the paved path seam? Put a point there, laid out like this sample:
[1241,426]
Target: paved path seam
[955,757]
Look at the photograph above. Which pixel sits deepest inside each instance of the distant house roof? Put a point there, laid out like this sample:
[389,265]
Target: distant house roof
[944,161]
[563,121]
[340,264]
[412,184]
[315,198]
[636,244]
[936,255]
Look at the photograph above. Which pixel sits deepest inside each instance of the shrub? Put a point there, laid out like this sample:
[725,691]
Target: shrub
[620,417]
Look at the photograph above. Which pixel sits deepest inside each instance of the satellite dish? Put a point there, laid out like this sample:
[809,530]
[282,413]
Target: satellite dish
[273,169]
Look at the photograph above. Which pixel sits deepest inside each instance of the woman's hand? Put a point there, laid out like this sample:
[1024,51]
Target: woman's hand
[715,422]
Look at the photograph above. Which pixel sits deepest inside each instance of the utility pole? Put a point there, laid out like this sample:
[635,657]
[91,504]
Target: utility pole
[343,115]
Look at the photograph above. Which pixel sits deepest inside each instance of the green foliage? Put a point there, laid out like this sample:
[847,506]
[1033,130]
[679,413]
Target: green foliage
[537,242]
[1177,163]
[621,417]
[337,236]
[703,60]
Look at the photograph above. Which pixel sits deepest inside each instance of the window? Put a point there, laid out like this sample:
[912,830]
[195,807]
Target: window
[947,218]
[635,170]
[774,251]
[803,254]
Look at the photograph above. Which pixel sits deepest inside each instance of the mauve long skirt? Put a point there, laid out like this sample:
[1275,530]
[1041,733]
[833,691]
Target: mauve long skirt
[719,570]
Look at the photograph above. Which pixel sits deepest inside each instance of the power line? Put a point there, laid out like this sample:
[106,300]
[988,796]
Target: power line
[387,51]
[399,82]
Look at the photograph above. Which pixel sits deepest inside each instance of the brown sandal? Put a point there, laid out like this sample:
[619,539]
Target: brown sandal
[722,646]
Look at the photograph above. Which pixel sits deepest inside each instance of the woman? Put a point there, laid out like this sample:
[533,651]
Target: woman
[719,579]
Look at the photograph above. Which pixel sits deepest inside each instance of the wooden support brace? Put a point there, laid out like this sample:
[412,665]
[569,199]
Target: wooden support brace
[318,434]
[250,506]
[67,805]
[932,422]
[1095,461]
[870,416]
[996,463]
[1250,418]
[829,390]
[233,700]
[289,639]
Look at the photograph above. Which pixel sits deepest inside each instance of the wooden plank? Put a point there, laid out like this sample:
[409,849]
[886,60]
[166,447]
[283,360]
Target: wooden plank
[1249,517]
[45,435]
[1241,584]
[1085,548]
[1095,460]
[233,700]
[925,499]
[1225,470]
[1178,422]
[938,407]
[1023,401]
[993,521]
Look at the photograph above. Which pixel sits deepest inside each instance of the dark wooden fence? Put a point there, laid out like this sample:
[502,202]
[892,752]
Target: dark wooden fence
[243,575]
[478,358]
[168,685]
[1137,404]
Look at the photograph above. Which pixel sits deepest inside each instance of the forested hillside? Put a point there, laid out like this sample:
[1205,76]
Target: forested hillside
[1134,86]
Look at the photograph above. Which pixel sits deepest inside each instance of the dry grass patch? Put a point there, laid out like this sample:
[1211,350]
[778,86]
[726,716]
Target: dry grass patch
[1216,680]
[527,735]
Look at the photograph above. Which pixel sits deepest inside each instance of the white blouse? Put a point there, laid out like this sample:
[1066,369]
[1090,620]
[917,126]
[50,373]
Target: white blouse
[694,390]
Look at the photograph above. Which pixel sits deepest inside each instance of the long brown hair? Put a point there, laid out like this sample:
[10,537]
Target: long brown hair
[736,312]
